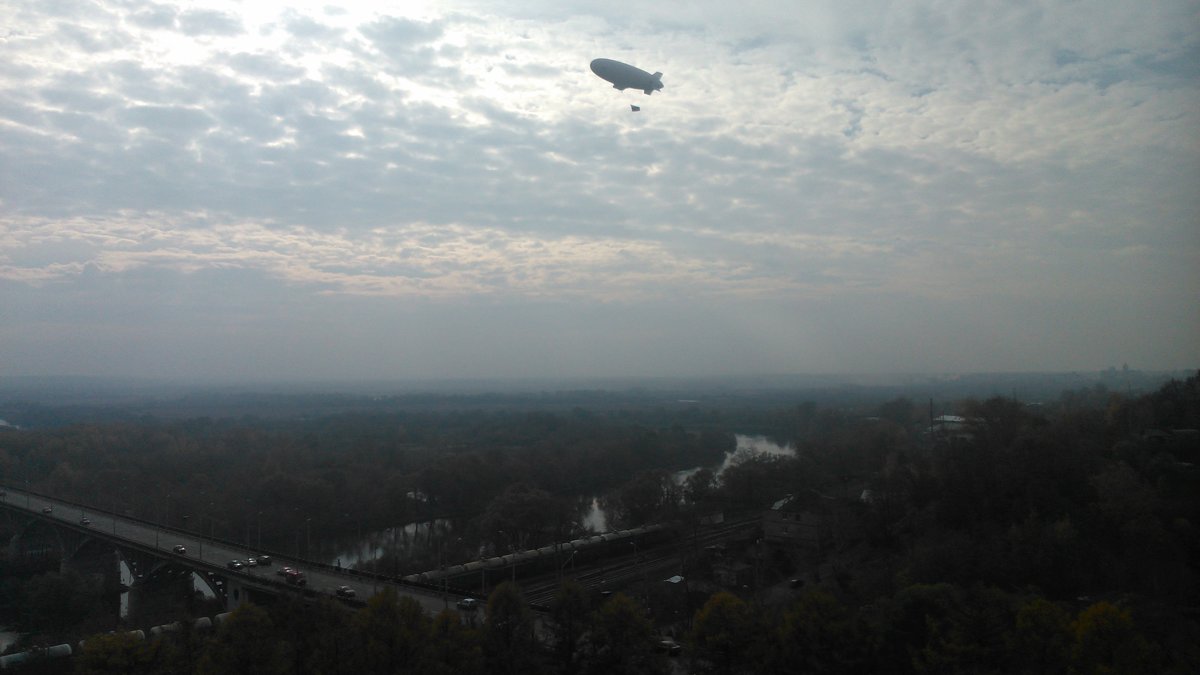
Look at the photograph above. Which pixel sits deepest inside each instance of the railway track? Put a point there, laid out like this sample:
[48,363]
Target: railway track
[617,572]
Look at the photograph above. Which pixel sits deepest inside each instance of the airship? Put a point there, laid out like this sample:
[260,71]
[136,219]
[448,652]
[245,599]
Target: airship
[624,76]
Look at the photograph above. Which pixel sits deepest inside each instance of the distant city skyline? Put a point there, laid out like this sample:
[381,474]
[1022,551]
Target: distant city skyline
[291,192]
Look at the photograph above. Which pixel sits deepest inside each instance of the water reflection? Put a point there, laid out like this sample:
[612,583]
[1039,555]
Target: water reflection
[408,541]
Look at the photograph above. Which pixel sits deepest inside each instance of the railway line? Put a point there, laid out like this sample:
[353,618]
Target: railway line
[656,562]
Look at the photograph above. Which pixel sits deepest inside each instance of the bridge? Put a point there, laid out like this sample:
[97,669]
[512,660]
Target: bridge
[148,549]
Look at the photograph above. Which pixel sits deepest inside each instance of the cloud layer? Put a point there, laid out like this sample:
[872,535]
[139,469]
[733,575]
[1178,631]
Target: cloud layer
[912,186]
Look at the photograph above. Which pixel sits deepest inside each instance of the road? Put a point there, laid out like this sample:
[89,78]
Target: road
[212,555]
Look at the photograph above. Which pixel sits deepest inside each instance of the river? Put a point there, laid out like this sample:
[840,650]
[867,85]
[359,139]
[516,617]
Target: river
[595,520]
[7,637]
[409,540]
[421,538]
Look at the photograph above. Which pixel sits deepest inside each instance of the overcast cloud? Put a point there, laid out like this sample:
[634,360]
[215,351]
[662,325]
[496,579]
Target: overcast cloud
[298,190]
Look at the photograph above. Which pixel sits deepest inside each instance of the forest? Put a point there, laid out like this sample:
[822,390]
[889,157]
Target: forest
[1058,537]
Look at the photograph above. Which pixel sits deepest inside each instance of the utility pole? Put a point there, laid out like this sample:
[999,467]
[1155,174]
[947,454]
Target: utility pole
[442,569]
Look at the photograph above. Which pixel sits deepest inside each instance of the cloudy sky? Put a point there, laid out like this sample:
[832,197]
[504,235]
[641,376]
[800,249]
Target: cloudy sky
[264,191]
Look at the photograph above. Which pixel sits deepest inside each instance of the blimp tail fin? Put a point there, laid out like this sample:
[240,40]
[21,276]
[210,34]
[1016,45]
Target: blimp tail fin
[657,84]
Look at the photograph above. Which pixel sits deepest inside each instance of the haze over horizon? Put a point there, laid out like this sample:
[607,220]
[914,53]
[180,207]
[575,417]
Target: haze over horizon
[301,191]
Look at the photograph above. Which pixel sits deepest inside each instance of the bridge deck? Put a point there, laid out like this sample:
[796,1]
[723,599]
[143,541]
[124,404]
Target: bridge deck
[209,555]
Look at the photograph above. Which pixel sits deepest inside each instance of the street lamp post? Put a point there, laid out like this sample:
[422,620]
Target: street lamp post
[513,552]
[638,563]
[442,569]
[758,555]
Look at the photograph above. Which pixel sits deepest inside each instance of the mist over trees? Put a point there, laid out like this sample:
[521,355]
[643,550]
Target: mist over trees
[1057,537]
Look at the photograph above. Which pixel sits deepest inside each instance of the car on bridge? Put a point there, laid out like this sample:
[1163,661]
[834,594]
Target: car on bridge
[344,592]
[47,509]
[234,564]
[251,562]
[180,549]
[468,604]
[264,561]
[85,521]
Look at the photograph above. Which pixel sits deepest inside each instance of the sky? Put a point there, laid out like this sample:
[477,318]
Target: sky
[305,191]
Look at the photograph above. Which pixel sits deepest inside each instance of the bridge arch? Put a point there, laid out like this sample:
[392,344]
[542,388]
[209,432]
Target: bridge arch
[162,566]
[86,546]
[36,537]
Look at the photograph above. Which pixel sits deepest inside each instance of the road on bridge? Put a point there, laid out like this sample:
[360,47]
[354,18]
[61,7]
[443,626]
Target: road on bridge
[212,555]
